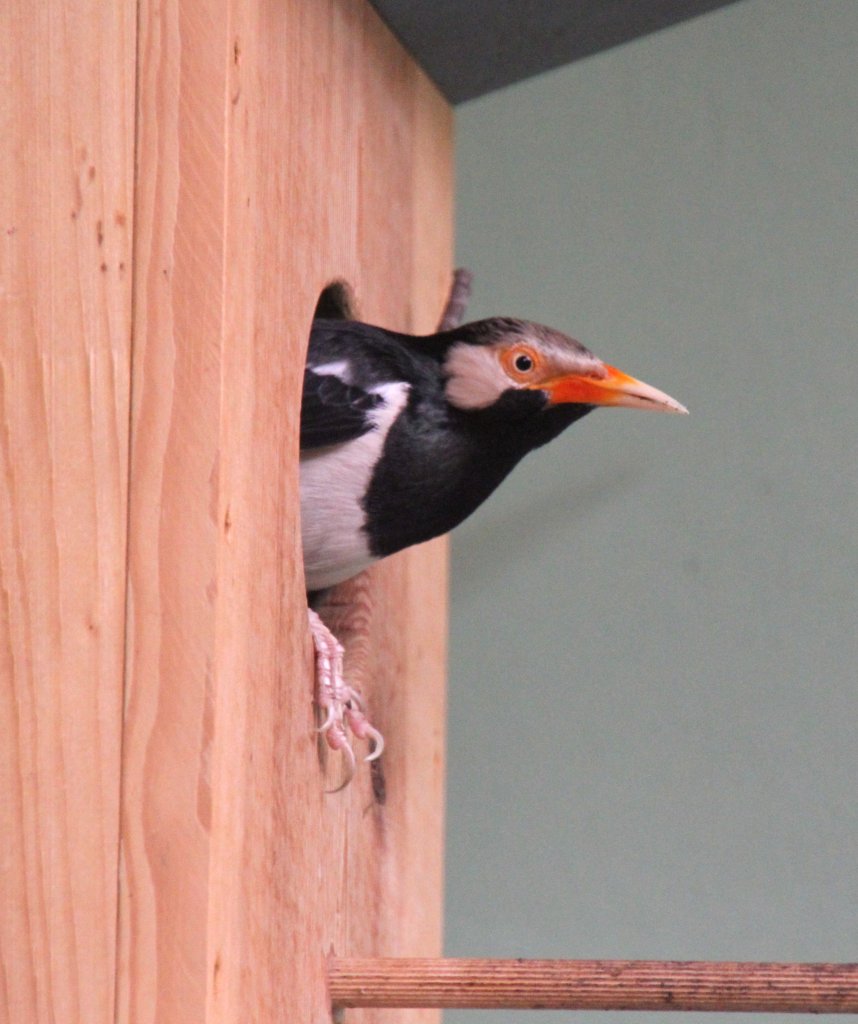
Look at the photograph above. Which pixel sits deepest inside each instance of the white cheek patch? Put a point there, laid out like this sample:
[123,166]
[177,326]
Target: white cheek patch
[334,481]
[475,376]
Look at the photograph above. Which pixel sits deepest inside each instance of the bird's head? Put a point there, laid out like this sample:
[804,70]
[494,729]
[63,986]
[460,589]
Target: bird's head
[515,363]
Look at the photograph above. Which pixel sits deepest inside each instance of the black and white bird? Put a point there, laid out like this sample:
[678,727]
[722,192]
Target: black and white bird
[403,437]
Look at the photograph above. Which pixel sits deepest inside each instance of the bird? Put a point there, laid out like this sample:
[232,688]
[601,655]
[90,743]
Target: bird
[402,437]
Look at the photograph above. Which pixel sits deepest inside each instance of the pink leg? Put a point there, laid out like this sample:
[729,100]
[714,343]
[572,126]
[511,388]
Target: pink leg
[341,705]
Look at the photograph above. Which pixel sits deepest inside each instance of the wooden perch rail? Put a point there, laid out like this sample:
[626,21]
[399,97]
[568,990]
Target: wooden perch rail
[594,985]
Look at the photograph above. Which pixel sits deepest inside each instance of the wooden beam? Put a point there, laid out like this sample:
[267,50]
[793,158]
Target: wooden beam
[595,985]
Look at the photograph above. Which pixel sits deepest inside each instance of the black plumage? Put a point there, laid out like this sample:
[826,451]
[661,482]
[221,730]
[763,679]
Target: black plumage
[403,437]
[438,463]
[444,451]
[333,412]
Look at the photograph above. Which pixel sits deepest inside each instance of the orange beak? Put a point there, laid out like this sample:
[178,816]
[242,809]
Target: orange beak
[615,388]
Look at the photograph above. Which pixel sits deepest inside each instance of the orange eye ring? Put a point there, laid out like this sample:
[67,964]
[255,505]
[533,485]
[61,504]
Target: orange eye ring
[521,363]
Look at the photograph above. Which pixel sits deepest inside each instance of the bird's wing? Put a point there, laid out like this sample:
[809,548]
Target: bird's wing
[333,412]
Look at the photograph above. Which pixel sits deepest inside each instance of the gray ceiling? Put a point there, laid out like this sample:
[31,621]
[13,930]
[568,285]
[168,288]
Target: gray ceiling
[470,47]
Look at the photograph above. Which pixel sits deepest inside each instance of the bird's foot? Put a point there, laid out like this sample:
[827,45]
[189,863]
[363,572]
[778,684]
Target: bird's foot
[341,705]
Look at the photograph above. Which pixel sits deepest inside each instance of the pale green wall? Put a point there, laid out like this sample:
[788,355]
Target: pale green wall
[654,706]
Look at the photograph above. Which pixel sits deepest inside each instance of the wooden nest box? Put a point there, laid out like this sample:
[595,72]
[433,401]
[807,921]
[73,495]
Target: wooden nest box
[180,181]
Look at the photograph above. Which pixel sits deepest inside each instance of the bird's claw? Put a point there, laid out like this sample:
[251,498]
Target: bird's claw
[340,703]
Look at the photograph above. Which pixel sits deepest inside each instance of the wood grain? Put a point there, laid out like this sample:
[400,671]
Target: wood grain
[173,526]
[333,160]
[739,987]
[66,166]
[278,146]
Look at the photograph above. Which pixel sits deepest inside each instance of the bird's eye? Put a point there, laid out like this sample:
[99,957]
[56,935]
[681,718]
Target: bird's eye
[522,363]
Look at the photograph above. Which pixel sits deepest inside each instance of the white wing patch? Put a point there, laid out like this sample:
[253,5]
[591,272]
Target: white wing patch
[339,369]
[334,481]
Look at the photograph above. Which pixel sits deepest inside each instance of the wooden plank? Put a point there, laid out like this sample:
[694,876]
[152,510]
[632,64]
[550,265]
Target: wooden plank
[396,646]
[239,871]
[66,164]
[173,540]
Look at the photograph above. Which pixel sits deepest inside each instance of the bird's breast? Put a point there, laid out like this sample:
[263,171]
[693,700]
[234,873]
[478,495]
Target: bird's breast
[430,478]
[334,485]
